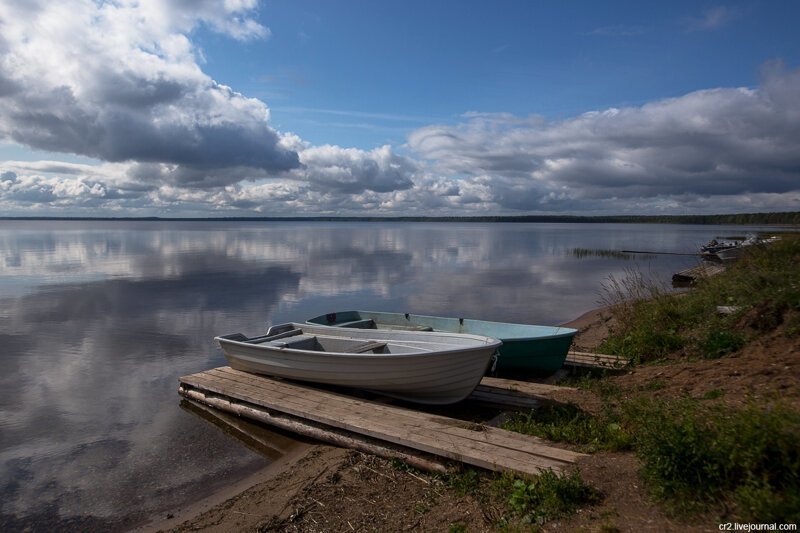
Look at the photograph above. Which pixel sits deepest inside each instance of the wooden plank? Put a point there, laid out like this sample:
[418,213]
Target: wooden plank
[539,390]
[395,422]
[352,405]
[415,433]
[509,393]
[490,448]
[594,360]
[504,401]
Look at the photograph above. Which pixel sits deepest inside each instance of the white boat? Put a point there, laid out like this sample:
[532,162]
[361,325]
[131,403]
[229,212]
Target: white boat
[429,368]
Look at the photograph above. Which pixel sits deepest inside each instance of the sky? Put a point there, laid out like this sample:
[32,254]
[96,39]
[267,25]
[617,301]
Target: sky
[201,108]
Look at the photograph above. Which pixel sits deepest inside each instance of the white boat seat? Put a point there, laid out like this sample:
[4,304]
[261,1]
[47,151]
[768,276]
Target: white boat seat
[297,342]
[369,346]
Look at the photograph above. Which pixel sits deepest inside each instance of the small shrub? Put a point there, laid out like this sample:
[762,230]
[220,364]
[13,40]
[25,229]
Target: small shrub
[568,423]
[720,343]
[713,394]
[550,496]
[464,482]
[646,339]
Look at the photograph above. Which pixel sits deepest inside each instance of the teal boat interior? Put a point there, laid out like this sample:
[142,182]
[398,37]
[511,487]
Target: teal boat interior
[407,321]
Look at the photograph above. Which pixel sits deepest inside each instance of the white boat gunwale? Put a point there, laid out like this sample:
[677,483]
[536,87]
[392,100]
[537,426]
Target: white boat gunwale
[432,368]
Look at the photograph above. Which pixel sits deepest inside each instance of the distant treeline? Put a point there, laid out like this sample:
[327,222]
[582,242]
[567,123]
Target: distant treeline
[784,218]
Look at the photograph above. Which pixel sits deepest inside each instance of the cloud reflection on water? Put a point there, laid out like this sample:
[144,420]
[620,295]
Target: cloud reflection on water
[98,320]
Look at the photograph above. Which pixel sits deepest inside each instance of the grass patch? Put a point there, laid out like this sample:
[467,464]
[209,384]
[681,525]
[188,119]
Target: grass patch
[568,423]
[713,394]
[593,380]
[721,342]
[466,481]
[549,496]
[582,253]
[694,455]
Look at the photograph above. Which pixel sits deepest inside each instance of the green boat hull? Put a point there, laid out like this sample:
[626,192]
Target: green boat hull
[526,348]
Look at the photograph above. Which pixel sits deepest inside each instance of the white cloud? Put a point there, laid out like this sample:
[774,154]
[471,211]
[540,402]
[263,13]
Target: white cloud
[350,170]
[712,142]
[119,81]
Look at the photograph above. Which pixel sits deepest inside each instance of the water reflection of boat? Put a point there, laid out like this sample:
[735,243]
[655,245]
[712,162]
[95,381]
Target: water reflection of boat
[429,368]
[525,347]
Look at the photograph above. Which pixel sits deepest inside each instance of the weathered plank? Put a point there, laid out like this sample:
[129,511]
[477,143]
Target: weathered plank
[528,388]
[407,427]
[478,445]
[510,393]
[596,360]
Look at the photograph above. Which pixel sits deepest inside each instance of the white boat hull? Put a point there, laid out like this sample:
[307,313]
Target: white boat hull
[429,368]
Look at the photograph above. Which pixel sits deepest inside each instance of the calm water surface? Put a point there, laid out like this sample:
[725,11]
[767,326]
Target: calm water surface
[99,319]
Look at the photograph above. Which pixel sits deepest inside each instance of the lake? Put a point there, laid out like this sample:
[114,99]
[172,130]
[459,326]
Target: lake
[99,319]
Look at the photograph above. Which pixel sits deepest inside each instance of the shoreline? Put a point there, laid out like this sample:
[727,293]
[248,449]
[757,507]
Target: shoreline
[321,487]
[304,462]
[176,517]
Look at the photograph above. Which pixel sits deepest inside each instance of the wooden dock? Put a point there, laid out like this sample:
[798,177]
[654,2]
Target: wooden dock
[373,426]
[701,271]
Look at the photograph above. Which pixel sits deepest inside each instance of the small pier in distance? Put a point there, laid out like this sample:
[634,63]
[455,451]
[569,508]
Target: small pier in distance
[424,440]
[692,275]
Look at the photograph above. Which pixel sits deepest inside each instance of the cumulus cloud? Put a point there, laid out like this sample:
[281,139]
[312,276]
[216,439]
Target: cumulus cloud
[350,170]
[713,142]
[119,81]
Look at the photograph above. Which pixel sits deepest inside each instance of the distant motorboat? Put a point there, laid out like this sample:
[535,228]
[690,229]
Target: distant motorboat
[731,250]
[540,349]
[428,368]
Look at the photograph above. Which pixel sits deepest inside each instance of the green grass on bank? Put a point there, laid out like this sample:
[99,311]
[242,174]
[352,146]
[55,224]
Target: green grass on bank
[694,455]
[763,287]
[529,500]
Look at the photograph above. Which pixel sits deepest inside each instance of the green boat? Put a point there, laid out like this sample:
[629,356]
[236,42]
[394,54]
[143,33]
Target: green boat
[529,348]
